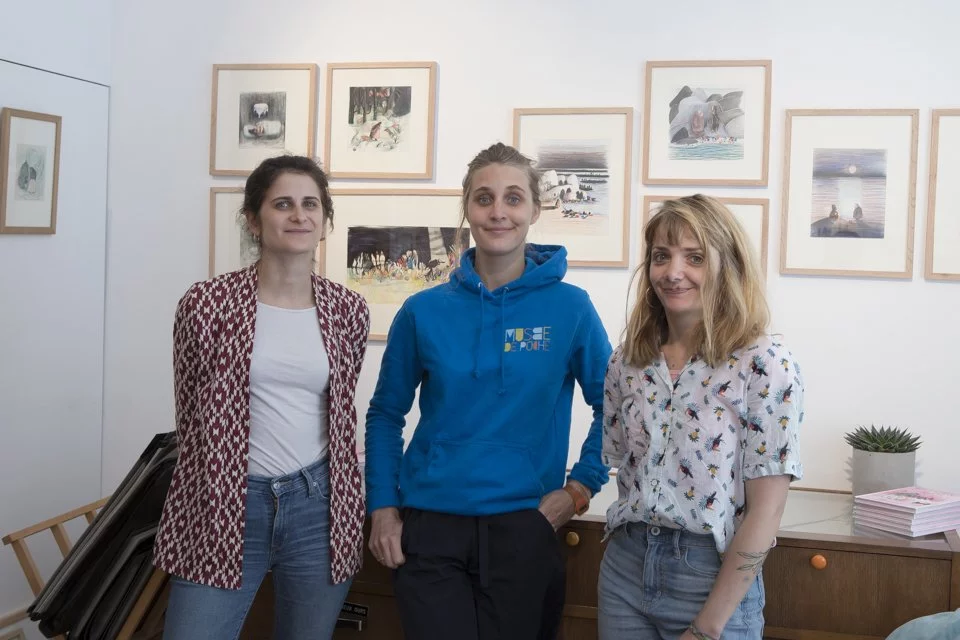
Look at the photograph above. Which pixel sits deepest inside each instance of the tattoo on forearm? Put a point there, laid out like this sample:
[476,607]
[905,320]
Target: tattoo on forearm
[754,561]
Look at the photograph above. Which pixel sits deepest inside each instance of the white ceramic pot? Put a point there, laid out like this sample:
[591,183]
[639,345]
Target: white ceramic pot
[882,471]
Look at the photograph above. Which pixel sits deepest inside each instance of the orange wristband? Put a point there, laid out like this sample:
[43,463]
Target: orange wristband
[580,502]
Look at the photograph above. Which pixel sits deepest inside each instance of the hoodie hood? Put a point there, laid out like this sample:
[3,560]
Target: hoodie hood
[545,264]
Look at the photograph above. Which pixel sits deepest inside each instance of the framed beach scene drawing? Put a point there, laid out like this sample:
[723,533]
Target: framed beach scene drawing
[707,122]
[848,195]
[393,243]
[584,156]
[380,120]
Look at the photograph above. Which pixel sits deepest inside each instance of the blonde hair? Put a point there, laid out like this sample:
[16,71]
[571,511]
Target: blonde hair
[735,308]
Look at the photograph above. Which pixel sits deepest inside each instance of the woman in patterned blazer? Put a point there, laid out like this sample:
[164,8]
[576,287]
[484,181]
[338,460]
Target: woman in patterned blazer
[266,361]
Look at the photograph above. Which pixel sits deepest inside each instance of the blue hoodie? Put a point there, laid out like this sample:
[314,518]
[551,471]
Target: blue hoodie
[496,372]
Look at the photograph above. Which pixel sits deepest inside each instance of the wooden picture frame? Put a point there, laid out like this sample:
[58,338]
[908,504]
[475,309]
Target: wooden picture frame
[227,247]
[849,192]
[941,258]
[29,171]
[585,156]
[399,221]
[753,214]
[380,120]
[226,250]
[258,111]
[699,123]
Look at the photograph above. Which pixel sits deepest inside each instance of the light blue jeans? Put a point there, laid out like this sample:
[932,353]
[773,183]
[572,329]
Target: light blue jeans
[288,533]
[654,581]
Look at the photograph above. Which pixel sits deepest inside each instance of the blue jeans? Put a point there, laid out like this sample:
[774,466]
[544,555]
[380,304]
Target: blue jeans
[654,581]
[288,533]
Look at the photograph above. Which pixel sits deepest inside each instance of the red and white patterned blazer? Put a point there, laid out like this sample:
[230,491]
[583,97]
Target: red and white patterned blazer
[200,537]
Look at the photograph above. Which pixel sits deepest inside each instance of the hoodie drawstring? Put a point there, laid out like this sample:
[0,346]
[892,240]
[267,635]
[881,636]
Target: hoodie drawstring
[476,363]
[503,336]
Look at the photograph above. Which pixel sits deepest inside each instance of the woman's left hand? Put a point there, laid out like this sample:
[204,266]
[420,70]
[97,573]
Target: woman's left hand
[557,507]
[688,635]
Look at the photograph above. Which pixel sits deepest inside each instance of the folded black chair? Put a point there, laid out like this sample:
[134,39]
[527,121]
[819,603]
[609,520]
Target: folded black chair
[106,561]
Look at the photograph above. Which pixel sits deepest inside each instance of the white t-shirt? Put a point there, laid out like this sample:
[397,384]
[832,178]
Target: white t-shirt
[289,381]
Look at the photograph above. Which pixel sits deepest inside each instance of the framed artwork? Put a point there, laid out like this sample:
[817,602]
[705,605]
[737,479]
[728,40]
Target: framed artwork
[707,122]
[229,250]
[848,192]
[752,213]
[29,171]
[260,111]
[393,243]
[380,120]
[941,258]
[585,157]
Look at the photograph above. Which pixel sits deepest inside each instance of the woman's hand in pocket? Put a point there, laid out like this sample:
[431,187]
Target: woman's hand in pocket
[385,531]
[557,507]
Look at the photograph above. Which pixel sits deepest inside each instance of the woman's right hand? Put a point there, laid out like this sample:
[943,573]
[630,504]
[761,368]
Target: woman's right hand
[385,537]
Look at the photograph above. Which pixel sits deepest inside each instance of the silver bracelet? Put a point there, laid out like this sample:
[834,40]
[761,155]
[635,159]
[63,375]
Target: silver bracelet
[699,635]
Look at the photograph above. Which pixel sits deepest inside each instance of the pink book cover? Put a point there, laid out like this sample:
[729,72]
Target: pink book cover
[911,499]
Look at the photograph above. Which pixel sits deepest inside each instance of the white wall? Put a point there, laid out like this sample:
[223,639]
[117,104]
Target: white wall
[873,351]
[54,58]
[51,331]
[65,36]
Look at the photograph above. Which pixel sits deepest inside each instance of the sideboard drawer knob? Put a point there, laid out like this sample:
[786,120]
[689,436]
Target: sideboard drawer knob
[573,539]
[818,562]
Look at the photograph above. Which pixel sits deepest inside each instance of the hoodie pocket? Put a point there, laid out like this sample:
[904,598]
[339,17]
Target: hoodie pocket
[484,472]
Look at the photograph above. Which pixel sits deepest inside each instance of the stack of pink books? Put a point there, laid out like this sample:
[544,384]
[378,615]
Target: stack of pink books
[910,511]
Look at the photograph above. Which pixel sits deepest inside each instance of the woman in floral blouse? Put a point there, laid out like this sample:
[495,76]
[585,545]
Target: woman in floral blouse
[702,409]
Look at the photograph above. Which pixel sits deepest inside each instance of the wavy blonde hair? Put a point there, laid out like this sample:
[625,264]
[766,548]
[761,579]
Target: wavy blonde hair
[735,308]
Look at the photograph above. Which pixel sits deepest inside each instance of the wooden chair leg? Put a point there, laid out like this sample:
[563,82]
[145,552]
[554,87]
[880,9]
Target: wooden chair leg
[143,604]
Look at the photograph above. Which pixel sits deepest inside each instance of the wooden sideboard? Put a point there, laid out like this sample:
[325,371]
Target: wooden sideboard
[823,581]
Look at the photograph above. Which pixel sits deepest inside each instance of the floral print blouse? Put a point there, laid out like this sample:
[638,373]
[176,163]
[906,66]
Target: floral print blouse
[683,449]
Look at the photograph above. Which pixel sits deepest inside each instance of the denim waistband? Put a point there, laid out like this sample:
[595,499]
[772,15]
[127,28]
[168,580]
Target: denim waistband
[306,478]
[660,534]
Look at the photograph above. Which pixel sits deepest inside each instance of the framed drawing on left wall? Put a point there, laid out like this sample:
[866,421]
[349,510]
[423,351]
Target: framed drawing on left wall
[29,171]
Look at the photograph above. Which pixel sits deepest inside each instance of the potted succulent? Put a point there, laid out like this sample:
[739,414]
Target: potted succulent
[883,458]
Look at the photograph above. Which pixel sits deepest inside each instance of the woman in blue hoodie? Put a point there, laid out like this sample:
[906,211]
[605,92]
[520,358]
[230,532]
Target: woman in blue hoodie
[467,516]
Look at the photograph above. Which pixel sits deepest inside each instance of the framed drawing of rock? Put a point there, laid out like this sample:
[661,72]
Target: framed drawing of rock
[849,192]
[259,111]
[392,243]
[941,258]
[707,122]
[380,119]
[29,171]
[585,157]
[752,213]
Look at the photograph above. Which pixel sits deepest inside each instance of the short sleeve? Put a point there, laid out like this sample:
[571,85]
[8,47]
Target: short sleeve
[771,425]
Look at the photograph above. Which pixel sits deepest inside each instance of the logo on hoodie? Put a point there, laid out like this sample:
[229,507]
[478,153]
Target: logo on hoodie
[527,339]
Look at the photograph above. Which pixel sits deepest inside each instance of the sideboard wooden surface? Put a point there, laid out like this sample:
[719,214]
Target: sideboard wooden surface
[822,581]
